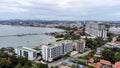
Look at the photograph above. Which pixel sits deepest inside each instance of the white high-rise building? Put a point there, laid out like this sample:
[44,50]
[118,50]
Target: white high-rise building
[96,29]
[55,50]
[26,52]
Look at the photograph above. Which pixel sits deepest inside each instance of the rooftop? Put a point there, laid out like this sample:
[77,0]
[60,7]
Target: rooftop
[98,65]
[78,31]
[58,43]
[105,62]
[117,43]
[91,60]
[92,37]
[117,64]
[112,45]
[26,49]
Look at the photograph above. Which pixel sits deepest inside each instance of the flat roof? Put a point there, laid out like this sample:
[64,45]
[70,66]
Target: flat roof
[58,43]
[92,37]
[26,49]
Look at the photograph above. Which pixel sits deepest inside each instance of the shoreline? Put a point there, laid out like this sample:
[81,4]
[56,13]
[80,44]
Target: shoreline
[27,34]
[20,35]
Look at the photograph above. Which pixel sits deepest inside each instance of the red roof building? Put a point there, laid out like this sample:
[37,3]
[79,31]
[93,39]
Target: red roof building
[91,60]
[117,65]
[105,62]
[98,65]
[78,31]
[117,43]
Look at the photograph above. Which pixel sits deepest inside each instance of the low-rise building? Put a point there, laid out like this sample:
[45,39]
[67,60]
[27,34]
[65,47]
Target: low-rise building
[98,65]
[117,64]
[78,31]
[101,64]
[89,37]
[55,50]
[112,45]
[26,52]
[98,51]
[106,64]
[91,60]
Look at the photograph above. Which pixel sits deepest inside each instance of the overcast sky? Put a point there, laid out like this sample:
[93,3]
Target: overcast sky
[60,9]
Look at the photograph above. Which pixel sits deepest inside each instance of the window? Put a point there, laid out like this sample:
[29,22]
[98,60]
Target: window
[26,54]
[34,54]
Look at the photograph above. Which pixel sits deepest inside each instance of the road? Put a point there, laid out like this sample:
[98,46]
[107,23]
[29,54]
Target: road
[60,61]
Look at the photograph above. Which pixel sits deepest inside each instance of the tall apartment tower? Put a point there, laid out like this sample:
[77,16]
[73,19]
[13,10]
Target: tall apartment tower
[55,50]
[96,29]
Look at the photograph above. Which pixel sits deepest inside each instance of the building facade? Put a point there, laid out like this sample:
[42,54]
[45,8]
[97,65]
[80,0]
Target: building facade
[79,45]
[26,52]
[55,50]
[96,29]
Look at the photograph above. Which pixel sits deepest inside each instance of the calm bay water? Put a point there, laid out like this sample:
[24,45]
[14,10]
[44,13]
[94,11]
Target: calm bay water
[28,40]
